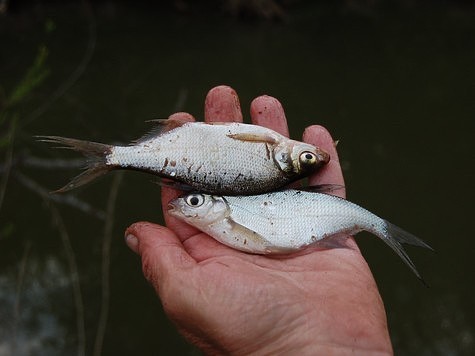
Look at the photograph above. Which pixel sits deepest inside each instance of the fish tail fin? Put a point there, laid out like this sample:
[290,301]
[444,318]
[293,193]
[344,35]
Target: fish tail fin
[394,237]
[95,153]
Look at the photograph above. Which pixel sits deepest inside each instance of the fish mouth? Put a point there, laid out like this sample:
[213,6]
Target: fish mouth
[322,156]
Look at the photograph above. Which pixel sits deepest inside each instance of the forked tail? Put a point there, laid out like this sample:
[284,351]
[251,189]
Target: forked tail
[395,237]
[95,153]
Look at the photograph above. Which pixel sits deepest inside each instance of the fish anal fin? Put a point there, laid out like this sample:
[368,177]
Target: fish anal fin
[338,240]
[323,188]
[174,185]
[251,137]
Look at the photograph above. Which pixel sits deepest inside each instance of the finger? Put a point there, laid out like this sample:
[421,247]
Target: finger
[330,173]
[268,112]
[164,260]
[181,229]
[222,105]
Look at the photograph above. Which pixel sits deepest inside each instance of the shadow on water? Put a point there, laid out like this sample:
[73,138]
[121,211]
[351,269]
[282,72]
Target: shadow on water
[394,85]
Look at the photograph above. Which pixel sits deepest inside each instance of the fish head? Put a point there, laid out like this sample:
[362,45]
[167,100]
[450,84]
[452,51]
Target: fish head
[300,158]
[199,209]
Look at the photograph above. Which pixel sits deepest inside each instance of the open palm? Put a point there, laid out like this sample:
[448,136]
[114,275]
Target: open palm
[230,302]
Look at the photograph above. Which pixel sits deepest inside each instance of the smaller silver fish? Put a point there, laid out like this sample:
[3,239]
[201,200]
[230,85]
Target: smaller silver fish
[217,158]
[286,221]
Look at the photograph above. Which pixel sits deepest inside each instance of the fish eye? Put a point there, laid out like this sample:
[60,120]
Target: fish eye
[308,158]
[195,200]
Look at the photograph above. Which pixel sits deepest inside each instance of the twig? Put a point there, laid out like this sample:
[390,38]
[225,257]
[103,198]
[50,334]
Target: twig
[76,285]
[76,74]
[60,199]
[106,247]
[52,163]
[19,161]
[58,220]
[3,7]
[8,163]
[16,308]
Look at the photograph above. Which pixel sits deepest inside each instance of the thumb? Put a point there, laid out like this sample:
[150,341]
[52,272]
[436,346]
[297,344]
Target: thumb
[164,260]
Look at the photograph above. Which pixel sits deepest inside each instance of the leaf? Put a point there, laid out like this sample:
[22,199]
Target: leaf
[35,75]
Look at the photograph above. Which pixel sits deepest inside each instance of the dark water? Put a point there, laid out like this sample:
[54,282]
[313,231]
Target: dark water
[395,85]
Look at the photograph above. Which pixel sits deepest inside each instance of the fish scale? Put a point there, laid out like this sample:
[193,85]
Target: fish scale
[218,158]
[286,221]
[300,215]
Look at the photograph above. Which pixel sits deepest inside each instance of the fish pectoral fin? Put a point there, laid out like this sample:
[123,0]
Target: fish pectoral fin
[250,137]
[162,126]
[251,239]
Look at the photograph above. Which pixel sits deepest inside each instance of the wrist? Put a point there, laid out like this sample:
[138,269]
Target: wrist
[312,329]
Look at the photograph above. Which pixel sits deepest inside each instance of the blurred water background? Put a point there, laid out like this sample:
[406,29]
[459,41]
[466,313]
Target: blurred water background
[393,81]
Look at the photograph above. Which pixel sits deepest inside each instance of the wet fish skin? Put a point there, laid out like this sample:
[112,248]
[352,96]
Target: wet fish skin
[286,221]
[218,158]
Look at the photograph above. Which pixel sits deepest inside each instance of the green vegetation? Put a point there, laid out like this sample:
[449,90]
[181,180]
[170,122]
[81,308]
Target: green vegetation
[34,76]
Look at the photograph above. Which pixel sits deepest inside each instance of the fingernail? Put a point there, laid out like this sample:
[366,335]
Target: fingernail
[132,242]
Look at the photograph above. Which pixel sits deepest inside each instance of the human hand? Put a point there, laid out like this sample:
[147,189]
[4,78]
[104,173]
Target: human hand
[230,302]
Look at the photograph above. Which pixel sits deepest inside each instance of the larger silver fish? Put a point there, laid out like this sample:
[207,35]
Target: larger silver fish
[219,158]
[285,221]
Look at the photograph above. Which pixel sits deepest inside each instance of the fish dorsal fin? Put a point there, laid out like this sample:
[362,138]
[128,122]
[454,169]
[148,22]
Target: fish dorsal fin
[252,137]
[162,126]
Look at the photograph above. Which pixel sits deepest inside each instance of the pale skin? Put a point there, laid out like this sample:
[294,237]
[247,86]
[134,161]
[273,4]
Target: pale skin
[315,302]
